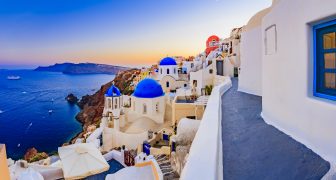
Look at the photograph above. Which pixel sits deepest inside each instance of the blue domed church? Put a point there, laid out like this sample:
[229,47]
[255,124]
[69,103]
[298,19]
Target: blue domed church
[148,100]
[168,75]
[113,100]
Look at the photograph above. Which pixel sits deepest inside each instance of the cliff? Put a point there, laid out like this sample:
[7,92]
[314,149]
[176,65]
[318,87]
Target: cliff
[82,68]
[92,105]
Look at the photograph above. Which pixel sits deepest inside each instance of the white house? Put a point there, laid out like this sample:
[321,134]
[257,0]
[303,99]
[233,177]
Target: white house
[290,59]
[251,55]
[188,66]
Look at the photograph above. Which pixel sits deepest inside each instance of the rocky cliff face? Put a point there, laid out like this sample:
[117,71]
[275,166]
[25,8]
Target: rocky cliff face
[92,105]
[32,155]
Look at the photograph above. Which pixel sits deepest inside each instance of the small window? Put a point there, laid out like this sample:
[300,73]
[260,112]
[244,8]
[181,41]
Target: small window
[167,71]
[160,70]
[144,109]
[270,40]
[195,83]
[210,71]
[109,103]
[167,84]
[115,103]
[185,85]
[192,65]
[325,60]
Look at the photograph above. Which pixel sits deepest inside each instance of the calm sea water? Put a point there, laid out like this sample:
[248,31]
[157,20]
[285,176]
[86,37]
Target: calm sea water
[25,120]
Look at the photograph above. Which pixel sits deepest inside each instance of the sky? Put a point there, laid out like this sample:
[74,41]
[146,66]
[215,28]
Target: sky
[122,32]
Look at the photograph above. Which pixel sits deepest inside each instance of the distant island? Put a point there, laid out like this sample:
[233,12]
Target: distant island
[82,68]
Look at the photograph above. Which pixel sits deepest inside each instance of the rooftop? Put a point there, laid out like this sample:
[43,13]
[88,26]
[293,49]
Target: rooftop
[253,149]
[113,91]
[148,88]
[168,61]
[114,167]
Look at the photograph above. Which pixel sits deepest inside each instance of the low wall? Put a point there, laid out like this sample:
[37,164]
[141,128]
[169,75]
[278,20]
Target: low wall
[113,138]
[116,155]
[182,110]
[205,159]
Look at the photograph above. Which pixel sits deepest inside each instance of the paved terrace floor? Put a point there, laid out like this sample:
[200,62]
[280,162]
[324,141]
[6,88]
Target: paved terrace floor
[253,149]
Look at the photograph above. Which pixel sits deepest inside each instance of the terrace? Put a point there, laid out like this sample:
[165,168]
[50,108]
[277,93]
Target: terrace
[255,150]
[240,145]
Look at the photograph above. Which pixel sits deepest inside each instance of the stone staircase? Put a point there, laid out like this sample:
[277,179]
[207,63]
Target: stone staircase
[168,172]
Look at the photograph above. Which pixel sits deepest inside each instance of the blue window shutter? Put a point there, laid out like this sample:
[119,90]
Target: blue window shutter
[319,62]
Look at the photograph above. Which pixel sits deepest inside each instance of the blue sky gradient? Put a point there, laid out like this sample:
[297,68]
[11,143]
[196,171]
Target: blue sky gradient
[44,32]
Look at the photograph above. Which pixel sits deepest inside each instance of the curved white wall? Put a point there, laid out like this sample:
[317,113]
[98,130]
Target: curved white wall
[288,101]
[250,59]
[205,160]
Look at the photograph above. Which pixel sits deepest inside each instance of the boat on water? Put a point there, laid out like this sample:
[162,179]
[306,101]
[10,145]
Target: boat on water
[13,77]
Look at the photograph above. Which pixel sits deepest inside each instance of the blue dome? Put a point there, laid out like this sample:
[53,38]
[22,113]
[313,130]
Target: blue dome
[148,88]
[113,92]
[168,61]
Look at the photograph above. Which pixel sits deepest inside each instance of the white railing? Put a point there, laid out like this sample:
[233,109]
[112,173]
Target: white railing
[205,160]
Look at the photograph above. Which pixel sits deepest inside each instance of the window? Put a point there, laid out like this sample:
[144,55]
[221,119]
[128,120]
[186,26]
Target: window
[157,107]
[185,85]
[270,40]
[109,103]
[144,109]
[160,70]
[192,65]
[167,84]
[167,71]
[115,103]
[325,60]
[174,70]
[195,83]
[210,71]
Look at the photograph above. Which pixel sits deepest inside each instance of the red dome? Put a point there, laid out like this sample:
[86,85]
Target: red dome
[211,44]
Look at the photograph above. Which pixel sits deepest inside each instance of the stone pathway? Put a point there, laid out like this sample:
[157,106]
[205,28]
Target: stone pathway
[165,166]
[253,149]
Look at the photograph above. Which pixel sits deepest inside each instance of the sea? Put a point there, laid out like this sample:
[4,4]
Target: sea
[34,112]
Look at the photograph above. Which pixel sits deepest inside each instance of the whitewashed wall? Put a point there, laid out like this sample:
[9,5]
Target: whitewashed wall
[205,159]
[251,64]
[171,71]
[203,77]
[113,138]
[138,108]
[288,101]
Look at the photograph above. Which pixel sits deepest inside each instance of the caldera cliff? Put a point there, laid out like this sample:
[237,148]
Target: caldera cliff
[92,105]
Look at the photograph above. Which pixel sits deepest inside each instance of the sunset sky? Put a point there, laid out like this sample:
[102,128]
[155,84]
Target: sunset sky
[123,32]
